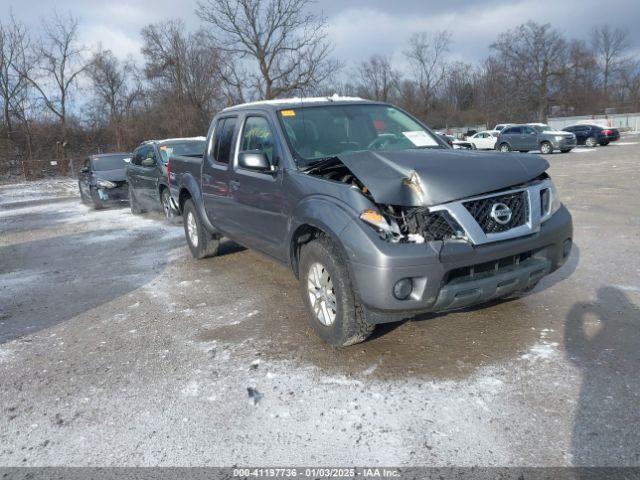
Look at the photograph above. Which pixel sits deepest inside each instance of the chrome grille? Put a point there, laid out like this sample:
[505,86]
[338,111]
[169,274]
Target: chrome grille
[480,210]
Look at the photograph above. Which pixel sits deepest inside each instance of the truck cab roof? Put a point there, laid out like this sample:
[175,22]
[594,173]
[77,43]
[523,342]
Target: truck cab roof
[297,102]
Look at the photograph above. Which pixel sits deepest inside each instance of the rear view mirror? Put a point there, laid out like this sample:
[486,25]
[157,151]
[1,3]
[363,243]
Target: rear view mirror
[84,170]
[254,160]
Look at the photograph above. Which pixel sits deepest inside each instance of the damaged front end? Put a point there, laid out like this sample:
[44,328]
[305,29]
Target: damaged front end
[395,223]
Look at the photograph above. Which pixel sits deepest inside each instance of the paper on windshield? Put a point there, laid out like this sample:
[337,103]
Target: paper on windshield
[421,139]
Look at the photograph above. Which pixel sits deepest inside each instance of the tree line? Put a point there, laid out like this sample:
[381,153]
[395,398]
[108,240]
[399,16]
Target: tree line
[61,101]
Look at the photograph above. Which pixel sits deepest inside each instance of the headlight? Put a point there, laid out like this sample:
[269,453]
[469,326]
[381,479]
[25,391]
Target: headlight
[380,224]
[549,201]
[559,138]
[105,184]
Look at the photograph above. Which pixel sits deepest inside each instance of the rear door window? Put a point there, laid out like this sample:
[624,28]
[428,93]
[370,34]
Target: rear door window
[223,141]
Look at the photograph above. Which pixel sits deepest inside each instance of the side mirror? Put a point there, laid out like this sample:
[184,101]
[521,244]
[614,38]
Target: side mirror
[148,162]
[254,160]
[84,170]
[127,160]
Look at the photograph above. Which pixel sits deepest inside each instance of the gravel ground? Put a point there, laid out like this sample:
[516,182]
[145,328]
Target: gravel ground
[117,348]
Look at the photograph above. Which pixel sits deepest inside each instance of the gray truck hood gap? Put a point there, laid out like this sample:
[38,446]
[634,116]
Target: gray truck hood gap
[431,177]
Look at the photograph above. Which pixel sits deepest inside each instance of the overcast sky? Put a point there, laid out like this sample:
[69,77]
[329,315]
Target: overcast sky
[358,28]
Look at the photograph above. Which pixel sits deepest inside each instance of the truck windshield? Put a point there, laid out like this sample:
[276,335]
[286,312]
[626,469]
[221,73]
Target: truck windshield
[109,162]
[191,148]
[317,132]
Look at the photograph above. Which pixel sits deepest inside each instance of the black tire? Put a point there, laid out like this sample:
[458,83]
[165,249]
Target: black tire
[566,150]
[591,142]
[504,148]
[133,203]
[546,148]
[83,197]
[203,244]
[167,208]
[95,200]
[604,144]
[349,325]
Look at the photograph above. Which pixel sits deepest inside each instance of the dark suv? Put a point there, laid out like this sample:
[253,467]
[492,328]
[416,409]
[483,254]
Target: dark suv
[592,135]
[147,172]
[377,217]
[523,138]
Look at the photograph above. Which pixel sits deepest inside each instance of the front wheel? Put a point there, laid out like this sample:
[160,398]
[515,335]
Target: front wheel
[335,314]
[95,200]
[546,148]
[505,148]
[133,203]
[201,243]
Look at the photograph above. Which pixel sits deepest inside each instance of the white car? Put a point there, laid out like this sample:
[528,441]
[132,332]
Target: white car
[484,140]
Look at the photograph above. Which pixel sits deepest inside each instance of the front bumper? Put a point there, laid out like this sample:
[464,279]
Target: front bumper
[564,144]
[116,194]
[444,274]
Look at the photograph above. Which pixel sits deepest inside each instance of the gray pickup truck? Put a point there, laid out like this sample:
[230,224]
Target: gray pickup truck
[377,217]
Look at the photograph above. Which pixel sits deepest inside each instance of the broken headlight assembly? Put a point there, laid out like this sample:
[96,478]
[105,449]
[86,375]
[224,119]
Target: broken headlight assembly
[412,224]
[105,184]
[387,231]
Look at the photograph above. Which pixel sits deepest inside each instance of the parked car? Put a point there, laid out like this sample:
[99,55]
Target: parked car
[528,137]
[147,172]
[501,126]
[454,143]
[592,135]
[102,179]
[376,217]
[484,140]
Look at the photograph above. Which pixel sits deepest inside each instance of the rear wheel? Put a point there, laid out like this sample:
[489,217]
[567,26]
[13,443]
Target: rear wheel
[546,148]
[201,243]
[591,142]
[335,314]
[167,208]
[504,147]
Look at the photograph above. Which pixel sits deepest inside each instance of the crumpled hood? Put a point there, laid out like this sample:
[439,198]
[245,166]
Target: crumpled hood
[111,175]
[439,176]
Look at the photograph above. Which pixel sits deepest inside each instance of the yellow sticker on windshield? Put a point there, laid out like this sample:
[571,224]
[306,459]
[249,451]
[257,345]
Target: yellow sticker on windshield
[288,113]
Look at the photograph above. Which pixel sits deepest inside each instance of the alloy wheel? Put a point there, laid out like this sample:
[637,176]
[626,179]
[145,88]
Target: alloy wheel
[321,294]
[192,229]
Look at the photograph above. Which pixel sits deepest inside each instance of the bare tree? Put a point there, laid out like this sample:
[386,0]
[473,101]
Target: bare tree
[377,80]
[114,88]
[287,47]
[59,63]
[534,56]
[186,66]
[609,45]
[427,58]
[13,42]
